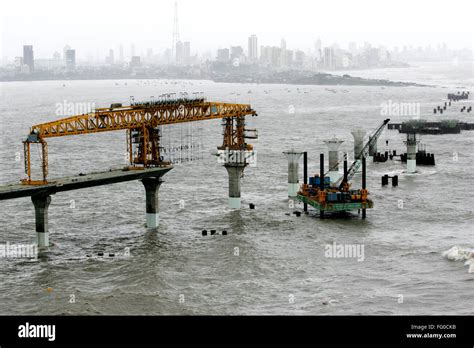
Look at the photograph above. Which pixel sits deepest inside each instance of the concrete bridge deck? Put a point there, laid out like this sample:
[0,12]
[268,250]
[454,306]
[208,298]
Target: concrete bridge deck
[41,194]
[80,181]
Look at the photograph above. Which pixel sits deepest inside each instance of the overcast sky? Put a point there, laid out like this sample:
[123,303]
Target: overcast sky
[94,26]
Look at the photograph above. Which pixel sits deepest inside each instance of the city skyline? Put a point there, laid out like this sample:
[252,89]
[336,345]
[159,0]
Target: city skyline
[254,51]
[93,34]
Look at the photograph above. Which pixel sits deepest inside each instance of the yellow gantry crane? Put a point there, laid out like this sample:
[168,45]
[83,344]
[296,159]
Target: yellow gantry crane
[141,121]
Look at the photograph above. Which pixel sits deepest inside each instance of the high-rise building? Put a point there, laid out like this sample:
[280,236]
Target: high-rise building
[70,59]
[28,57]
[187,52]
[132,50]
[236,52]
[18,62]
[121,53]
[149,54]
[299,58]
[318,53]
[352,47]
[66,48]
[283,56]
[110,58]
[253,48]
[289,57]
[135,61]
[266,54]
[179,49]
[223,55]
[328,58]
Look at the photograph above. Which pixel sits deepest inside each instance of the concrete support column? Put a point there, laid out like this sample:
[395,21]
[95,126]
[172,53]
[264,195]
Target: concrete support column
[358,135]
[333,154]
[41,203]
[235,173]
[152,186]
[411,152]
[373,148]
[293,158]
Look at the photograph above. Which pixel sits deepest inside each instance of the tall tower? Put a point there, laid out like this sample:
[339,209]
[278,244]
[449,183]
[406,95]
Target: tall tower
[253,50]
[283,53]
[28,57]
[175,33]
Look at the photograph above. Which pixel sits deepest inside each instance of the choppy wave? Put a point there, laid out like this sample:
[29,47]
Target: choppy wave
[457,253]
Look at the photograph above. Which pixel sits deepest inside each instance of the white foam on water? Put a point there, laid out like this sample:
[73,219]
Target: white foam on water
[470,263]
[457,253]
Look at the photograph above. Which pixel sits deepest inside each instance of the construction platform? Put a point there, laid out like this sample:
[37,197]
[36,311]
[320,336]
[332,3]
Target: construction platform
[81,181]
[337,206]
[431,127]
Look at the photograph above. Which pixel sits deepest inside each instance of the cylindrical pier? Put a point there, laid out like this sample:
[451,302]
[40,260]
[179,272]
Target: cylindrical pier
[411,152]
[152,186]
[235,173]
[358,135]
[41,203]
[293,171]
[372,148]
[333,154]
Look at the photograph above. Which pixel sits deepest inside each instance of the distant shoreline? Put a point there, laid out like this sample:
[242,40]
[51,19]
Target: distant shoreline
[220,74]
[315,79]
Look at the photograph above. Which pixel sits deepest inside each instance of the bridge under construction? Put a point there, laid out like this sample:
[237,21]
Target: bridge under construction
[142,122]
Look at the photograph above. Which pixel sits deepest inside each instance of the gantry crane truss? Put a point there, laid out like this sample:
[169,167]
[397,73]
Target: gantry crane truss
[141,120]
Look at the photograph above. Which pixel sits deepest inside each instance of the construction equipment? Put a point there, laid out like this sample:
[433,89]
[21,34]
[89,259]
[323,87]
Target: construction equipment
[325,198]
[344,185]
[363,153]
[141,121]
[339,197]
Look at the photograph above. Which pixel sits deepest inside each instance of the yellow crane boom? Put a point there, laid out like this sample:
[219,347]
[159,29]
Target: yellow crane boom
[141,121]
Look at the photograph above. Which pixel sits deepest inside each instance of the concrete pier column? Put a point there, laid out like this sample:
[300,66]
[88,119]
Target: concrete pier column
[152,186]
[333,154]
[372,148]
[235,173]
[358,135]
[41,203]
[293,158]
[411,152]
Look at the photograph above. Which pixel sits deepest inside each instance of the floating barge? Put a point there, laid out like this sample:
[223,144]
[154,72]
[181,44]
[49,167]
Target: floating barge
[431,127]
[335,207]
[458,96]
[332,199]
